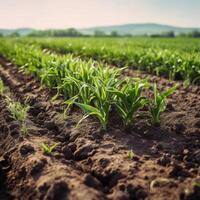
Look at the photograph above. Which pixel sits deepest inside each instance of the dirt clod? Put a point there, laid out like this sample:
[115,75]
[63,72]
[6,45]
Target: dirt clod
[26,149]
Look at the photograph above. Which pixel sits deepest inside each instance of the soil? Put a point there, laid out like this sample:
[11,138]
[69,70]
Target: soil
[92,164]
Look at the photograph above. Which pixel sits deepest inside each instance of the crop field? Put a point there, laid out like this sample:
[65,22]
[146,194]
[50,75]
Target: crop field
[100,118]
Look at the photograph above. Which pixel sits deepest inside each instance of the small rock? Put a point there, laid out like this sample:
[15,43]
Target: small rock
[162,182]
[185,151]
[51,125]
[84,152]
[91,181]
[67,152]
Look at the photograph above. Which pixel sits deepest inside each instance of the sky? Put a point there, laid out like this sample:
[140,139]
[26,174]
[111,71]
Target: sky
[43,14]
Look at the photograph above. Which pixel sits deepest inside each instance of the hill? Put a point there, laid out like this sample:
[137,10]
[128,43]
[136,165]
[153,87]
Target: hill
[21,31]
[138,29]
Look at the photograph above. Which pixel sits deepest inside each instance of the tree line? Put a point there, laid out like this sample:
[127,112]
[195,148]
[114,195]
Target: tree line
[72,32]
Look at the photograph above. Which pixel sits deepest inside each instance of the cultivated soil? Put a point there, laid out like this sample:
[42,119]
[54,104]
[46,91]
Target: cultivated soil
[91,164]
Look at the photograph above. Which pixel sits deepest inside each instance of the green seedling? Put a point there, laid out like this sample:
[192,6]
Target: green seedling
[130,154]
[128,100]
[1,87]
[158,104]
[90,110]
[17,110]
[48,149]
[197,183]
[24,129]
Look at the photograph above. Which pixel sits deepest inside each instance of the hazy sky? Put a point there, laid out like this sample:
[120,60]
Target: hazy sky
[86,13]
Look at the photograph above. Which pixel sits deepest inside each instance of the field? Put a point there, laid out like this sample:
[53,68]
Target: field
[100,118]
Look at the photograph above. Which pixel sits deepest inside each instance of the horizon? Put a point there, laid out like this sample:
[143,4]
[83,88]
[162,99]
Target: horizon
[142,23]
[63,14]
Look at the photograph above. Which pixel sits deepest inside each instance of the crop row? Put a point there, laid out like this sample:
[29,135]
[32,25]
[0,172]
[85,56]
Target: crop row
[171,60]
[92,86]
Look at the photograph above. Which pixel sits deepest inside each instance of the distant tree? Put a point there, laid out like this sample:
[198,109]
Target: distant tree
[14,34]
[114,34]
[1,34]
[127,35]
[155,35]
[71,32]
[183,35]
[99,33]
[194,34]
[169,34]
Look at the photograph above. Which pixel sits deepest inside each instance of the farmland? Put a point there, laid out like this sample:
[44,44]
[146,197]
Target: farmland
[100,118]
[171,58]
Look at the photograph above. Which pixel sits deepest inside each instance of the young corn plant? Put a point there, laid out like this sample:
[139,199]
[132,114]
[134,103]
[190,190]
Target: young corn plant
[128,100]
[100,104]
[100,107]
[48,149]
[158,104]
[19,113]
[100,113]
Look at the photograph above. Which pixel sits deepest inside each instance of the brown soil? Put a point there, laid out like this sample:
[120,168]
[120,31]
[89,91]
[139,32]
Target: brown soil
[92,164]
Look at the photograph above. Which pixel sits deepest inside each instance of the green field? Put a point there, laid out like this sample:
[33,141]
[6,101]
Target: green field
[176,58]
[92,86]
